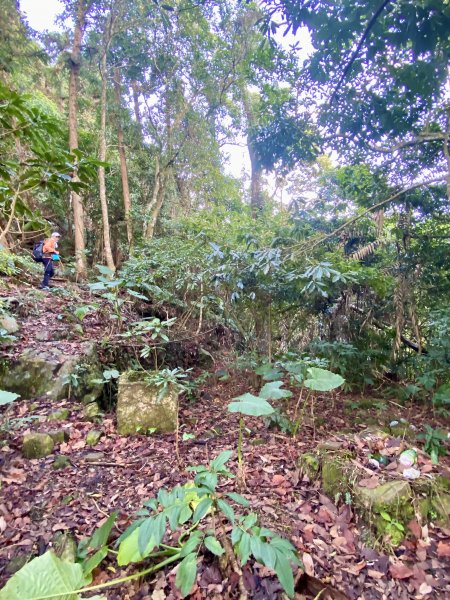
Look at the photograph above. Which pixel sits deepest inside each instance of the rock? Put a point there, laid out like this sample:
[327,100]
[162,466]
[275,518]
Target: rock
[385,497]
[93,437]
[441,505]
[9,324]
[59,415]
[91,411]
[330,446]
[139,409]
[309,465]
[47,370]
[334,475]
[61,462]
[64,546]
[92,457]
[59,435]
[43,336]
[37,445]
[16,563]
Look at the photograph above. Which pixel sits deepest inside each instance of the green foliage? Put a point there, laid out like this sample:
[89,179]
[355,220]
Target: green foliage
[435,442]
[44,576]
[322,380]
[7,397]
[250,405]
[167,380]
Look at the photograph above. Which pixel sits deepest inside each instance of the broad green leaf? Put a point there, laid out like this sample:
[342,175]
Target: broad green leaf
[44,576]
[322,380]
[146,535]
[186,574]
[93,562]
[385,516]
[247,404]
[188,436]
[284,573]
[268,373]
[202,509]
[7,397]
[185,514]
[214,546]
[268,555]
[249,521]
[236,535]
[238,498]
[100,536]
[129,550]
[272,391]
[207,479]
[192,544]
[244,548]
[219,462]
[226,509]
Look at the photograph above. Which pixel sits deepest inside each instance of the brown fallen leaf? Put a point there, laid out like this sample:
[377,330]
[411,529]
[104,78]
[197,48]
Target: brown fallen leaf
[370,483]
[278,480]
[15,476]
[308,563]
[400,571]
[425,589]
[375,574]
[415,528]
[443,549]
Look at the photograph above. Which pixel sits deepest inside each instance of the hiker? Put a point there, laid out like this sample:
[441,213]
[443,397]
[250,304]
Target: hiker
[49,254]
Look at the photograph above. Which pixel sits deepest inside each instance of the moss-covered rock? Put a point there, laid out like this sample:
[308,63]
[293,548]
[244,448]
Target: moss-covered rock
[440,503]
[91,411]
[37,445]
[309,465]
[59,415]
[61,462]
[49,371]
[65,546]
[334,474]
[139,408]
[59,435]
[9,324]
[93,437]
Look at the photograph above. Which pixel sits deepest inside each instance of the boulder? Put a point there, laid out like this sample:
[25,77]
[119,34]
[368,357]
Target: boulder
[309,465]
[61,462]
[9,324]
[37,445]
[48,370]
[59,415]
[387,497]
[93,437]
[59,435]
[91,411]
[139,408]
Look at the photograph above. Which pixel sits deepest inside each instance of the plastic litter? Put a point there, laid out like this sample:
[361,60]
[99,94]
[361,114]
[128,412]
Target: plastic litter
[408,458]
[411,473]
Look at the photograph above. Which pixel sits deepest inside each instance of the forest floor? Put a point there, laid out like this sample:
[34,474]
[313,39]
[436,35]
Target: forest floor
[37,501]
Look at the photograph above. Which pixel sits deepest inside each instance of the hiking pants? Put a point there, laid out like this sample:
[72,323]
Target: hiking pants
[48,271]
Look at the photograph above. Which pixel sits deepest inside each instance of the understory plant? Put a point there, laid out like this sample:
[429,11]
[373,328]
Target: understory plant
[197,515]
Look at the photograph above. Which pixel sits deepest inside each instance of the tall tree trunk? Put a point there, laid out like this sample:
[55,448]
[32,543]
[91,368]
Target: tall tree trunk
[77,204]
[123,159]
[150,208]
[256,185]
[102,157]
[137,112]
[156,209]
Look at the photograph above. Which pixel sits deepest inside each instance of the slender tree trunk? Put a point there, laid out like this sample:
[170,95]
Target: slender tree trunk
[77,204]
[102,157]
[148,229]
[123,159]
[157,206]
[256,185]
[137,112]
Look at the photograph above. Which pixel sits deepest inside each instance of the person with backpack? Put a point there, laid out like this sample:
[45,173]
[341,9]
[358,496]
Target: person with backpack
[49,254]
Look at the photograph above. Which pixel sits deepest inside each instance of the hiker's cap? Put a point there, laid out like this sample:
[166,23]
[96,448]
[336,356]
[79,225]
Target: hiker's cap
[56,234]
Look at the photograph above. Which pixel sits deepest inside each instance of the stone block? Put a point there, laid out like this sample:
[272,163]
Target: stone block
[139,408]
[37,445]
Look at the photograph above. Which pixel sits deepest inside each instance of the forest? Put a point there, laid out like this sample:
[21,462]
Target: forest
[225,300]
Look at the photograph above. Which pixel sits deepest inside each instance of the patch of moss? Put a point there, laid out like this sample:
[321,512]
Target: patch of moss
[309,465]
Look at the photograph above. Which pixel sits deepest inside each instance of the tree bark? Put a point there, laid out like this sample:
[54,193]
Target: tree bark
[76,201]
[123,159]
[102,156]
[256,185]
[154,206]
[137,112]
